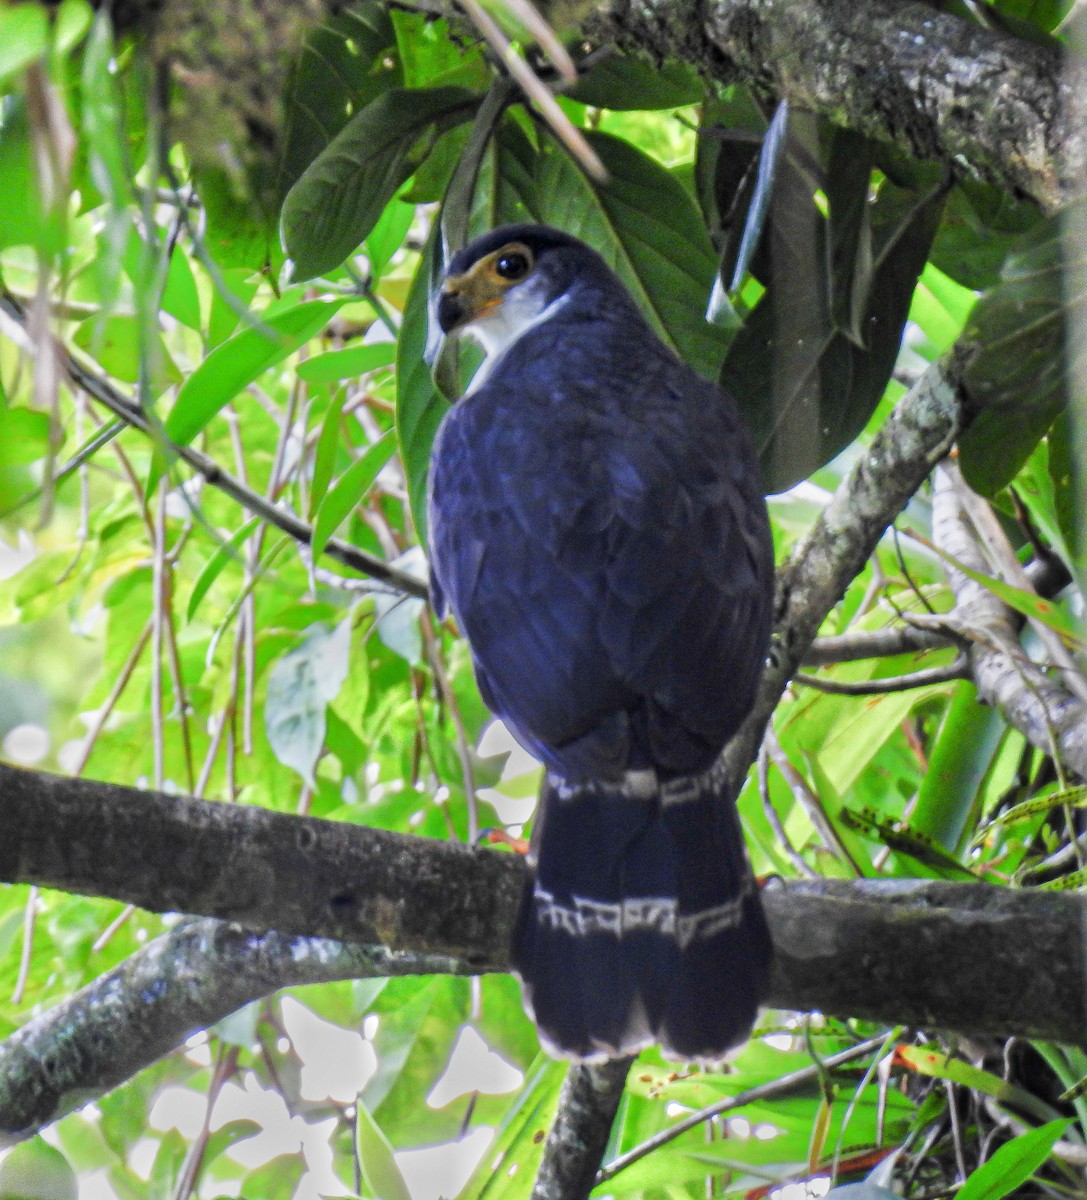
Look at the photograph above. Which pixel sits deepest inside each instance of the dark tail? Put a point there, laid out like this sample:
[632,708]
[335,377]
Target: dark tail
[643,923]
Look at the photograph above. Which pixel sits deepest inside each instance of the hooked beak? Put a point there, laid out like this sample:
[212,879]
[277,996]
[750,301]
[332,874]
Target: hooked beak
[448,313]
[461,300]
[451,310]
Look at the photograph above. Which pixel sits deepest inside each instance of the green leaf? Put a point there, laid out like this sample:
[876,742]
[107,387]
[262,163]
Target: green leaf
[168,1162]
[506,191]
[805,386]
[980,227]
[1071,513]
[24,37]
[427,51]
[71,21]
[629,82]
[379,1168]
[1030,604]
[179,295]
[117,343]
[24,436]
[937,1065]
[1014,1163]
[300,687]
[387,235]
[940,307]
[350,363]
[338,199]
[275,1180]
[645,224]
[520,1138]
[226,552]
[349,489]
[239,232]
[1074,797]
[998,442]
[1026,349]
[22,222]
[234,365]
[419,405]
[343,65]
[33,1170]
[229,1135]
[103,144]
[1040,486]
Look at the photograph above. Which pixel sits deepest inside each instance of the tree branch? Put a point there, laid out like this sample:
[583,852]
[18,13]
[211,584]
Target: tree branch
[916,436]
[1008,110]
[967,957]
[1049,715]
[179,983]
[258,868]
[575,1146]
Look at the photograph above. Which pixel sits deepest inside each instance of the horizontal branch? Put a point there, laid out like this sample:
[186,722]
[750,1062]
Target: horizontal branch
[967,957]
[1008,110]
[258,868]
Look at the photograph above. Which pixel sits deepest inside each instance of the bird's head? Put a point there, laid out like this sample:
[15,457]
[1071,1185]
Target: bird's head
[508,280]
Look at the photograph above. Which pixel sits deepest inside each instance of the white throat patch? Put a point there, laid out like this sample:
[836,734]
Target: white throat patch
[498,331]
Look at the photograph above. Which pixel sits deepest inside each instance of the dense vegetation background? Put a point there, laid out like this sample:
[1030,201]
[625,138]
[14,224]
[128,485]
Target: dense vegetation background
[218,228]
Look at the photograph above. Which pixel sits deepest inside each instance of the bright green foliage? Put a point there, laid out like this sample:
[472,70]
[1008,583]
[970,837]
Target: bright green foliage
[155,632]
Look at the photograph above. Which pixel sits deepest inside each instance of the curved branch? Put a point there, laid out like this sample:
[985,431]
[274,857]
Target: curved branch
[1047,714]
[1008,110]
[146,1007]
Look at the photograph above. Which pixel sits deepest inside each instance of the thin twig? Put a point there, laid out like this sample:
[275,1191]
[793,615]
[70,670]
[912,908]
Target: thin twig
[766,1091]
[104,392]
[959,669]
[536,90]
[808,800]
[26,953]
[791,852]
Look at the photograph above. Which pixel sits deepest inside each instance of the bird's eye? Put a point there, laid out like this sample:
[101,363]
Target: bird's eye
[512,265]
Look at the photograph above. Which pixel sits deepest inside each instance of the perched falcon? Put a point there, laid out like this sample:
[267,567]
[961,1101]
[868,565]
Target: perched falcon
[598,530]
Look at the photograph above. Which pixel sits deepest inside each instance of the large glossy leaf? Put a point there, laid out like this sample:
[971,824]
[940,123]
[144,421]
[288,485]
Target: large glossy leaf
[1027,335]
[625,82]
[346,61]
[341,194]
[981,226]
[805,385]
[645,224]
